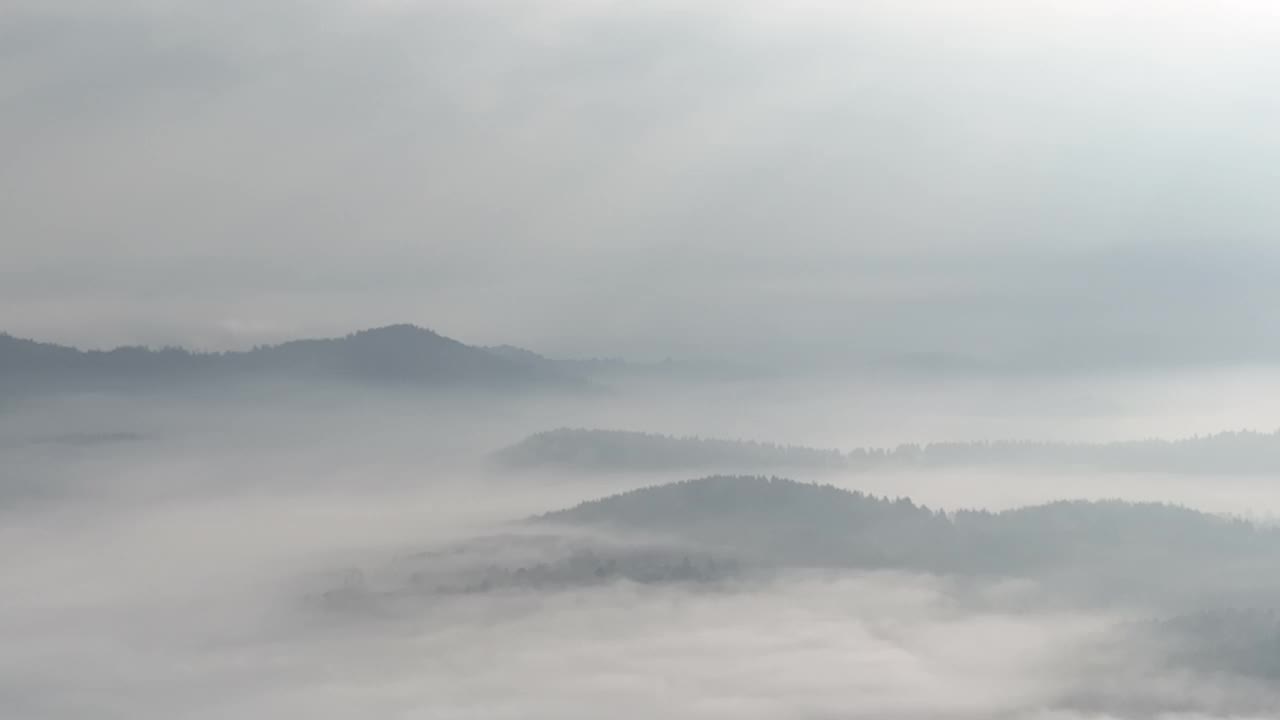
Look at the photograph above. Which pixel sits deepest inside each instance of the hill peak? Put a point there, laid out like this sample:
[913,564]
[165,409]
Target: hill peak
[397,353]
[396,329]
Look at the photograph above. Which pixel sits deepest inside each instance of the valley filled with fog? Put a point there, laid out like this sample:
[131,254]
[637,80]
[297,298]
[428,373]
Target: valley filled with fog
[339,549]
[679,359]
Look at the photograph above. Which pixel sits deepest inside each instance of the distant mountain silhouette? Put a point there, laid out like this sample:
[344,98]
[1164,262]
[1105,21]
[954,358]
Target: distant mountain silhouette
[1242,452]
[614,450]
[401,354]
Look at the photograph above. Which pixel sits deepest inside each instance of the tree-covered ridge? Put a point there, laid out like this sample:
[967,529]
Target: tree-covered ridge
[1239,452]
[396,353]
[588,566]
[1125,549]
[1242,451]
[1212,577]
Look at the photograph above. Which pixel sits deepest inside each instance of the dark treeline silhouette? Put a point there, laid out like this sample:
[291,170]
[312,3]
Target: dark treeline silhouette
[394,354]
[588,566]
[1111,548]
[1238,452]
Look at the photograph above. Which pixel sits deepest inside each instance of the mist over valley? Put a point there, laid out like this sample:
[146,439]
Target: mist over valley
[697,360]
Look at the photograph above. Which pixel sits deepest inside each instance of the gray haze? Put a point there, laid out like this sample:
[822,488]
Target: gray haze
[1029,184]
[173,566]
[1038,235]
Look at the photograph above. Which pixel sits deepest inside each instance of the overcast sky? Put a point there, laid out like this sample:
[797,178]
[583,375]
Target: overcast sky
[1083,182]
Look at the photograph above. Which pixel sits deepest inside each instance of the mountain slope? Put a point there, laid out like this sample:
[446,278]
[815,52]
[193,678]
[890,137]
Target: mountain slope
[1109,549]
[1239,452]
[392,354]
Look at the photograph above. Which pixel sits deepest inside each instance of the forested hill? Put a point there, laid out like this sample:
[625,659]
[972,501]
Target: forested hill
[1242,452]
[1122,549]
[392,354]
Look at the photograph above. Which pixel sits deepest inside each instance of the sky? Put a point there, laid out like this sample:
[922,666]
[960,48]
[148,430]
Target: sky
[1033,183]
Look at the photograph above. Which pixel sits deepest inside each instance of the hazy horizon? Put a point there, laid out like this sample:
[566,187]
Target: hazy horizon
[1081,183]
[1013,261]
